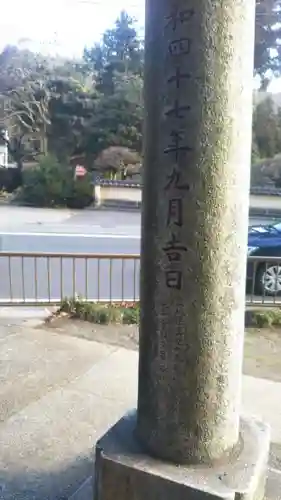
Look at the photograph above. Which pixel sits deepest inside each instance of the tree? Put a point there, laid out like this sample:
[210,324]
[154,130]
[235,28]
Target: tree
[25,115]
[268,40]
[255,150]
[118,64]
[267,129]
[117,120]
[27,110]
[19,68]
[118,161]
[24,101]
[120,52]
[72,111]
[84,121]
[267,172]
[28,88]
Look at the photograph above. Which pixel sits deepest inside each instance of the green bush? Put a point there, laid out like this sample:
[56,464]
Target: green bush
[131,315]
[276,317]
[102,314]
[264,319]
[80,193]
[52,184]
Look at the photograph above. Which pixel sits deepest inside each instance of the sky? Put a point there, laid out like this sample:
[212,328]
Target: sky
[61,26]
[65,27]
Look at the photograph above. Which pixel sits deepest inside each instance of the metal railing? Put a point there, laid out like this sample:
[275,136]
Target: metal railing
[33,278]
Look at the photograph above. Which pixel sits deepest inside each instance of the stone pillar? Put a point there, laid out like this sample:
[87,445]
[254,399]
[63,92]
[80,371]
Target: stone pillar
[198,101]
[187,438]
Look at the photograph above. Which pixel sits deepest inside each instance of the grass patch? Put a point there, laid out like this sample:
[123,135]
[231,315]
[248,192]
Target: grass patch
[263,318]
[125,313]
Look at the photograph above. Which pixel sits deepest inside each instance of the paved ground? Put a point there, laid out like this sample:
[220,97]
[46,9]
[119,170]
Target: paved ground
[59,393]
[53,230]
[64,221]
[59,222]
[62,231]
[55,403]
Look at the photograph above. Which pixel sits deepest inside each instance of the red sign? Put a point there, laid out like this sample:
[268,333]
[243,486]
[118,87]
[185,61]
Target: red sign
[80,171]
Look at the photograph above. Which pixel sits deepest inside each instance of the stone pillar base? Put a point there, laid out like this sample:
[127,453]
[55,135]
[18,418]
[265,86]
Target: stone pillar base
[124,472]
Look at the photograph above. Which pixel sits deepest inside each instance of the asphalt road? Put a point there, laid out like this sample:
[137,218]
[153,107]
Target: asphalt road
[63,231]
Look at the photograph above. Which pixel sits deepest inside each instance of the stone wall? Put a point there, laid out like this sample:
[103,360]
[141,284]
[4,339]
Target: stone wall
[129,194]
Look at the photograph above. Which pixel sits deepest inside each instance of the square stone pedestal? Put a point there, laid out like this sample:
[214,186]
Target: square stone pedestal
[124,472]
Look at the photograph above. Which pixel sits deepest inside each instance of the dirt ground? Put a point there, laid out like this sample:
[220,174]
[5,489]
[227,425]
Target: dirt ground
[262,351]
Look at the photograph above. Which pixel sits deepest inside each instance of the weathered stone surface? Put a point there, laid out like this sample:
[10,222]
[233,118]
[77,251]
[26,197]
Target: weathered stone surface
[124,472]
[198,94]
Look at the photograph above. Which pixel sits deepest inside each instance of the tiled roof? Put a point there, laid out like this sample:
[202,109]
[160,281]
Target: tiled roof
[126,183]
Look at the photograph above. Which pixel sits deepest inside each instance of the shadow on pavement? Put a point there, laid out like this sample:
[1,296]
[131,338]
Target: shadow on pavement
[38,485]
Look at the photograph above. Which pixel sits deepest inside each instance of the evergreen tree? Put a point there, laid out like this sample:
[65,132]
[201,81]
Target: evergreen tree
[267,129]
[120,52]
[268,40]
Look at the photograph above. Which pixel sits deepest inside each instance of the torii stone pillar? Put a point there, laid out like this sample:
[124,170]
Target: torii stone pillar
[187,438]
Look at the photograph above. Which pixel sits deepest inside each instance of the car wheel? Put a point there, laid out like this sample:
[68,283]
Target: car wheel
[269,279]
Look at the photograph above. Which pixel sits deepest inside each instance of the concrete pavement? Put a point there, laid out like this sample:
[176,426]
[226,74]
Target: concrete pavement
[52,410]
[59,394]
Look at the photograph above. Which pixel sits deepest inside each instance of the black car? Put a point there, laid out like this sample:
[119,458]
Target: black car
[264,259]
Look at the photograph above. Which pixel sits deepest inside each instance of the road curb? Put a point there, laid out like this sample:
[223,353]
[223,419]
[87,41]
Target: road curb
[25,313]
